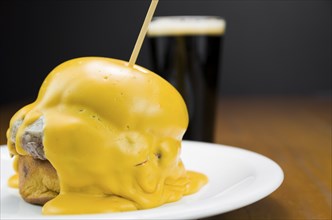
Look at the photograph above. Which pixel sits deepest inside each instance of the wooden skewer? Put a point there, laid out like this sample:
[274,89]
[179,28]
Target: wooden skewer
[142,33]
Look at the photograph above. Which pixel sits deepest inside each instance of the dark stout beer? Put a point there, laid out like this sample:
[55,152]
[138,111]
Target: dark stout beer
[186,51]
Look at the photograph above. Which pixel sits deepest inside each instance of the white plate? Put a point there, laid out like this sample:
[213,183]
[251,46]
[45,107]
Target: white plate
[237,178]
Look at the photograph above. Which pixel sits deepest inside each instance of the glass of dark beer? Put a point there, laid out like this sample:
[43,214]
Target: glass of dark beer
[186,51]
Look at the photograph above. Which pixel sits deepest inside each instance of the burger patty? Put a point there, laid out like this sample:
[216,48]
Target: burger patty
[32,138]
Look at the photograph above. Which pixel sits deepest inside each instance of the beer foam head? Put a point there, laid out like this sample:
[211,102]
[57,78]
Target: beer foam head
[186,25]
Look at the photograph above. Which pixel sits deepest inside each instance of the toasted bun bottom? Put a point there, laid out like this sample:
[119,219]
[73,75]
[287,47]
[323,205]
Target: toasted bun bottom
[38,180]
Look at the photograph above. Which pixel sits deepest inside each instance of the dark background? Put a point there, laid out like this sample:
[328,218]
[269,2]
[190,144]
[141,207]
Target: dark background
[270,47]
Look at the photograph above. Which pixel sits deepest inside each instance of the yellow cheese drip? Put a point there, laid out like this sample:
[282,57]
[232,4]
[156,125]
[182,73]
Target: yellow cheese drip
[13,180]
[113,133]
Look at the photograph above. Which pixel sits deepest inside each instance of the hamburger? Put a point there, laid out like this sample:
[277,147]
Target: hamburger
[101,137]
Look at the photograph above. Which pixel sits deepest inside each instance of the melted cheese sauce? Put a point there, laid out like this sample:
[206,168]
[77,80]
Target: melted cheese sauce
[113,134]
[13,180]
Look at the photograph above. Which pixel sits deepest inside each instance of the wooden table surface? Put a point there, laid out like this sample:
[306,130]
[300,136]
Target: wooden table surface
[293,131]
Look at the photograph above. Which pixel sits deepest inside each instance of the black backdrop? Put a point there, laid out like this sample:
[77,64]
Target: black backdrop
[270,47]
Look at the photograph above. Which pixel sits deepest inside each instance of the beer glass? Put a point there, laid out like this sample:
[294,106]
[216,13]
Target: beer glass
[186,51]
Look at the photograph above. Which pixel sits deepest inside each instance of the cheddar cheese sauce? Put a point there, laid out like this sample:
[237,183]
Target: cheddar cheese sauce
[113,133]
[13,180]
